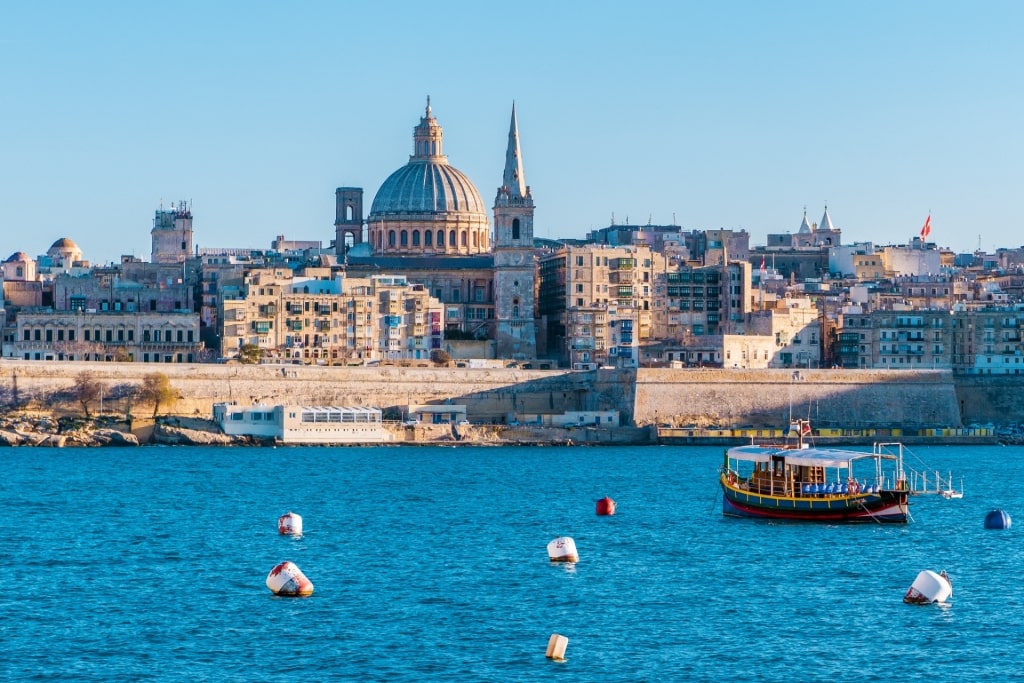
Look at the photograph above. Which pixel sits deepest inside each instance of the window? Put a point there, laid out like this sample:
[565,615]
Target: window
[515,228]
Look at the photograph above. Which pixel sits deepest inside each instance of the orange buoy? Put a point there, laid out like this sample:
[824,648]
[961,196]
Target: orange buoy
[606,506]
[289,523]
[287,579]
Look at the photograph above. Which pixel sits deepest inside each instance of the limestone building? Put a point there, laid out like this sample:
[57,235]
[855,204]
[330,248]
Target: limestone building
[332,321]
[429,223]
[172,234]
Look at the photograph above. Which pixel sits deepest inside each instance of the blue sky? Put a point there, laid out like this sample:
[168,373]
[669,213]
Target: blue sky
[711,115]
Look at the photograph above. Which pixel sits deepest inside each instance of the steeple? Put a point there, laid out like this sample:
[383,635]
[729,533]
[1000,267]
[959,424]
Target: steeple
[514,259]
[513,178]
[805,227]
[826,221]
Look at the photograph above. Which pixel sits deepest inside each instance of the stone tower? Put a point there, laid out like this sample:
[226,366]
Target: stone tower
[348,221]
[514,269]
[172,234]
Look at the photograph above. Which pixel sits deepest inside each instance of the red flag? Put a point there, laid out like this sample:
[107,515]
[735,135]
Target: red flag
[762,264]
[805,428]
[927,228]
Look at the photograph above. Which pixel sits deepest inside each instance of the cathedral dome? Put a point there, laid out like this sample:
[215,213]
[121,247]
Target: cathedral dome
[427,187]
[428,206]
[18,256]
[64,243]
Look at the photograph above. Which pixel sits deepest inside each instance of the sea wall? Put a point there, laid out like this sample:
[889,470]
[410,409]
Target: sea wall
[858,399]
[492,393]
[991,399]
[853,399]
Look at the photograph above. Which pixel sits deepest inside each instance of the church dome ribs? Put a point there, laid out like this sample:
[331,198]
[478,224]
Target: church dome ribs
[428,195]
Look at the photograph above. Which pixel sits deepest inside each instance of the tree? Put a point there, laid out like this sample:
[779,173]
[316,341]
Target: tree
[440,356]
[86,389]
[250,354]
[156,389]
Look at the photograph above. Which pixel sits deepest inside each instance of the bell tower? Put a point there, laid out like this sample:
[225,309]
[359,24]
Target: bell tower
[514,268]
[348,218]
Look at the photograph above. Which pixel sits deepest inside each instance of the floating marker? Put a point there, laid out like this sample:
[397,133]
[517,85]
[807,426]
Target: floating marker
[289,523]
[606,506]
[556,646]
[929,587]
[997,519]
[287,579]
[563,549]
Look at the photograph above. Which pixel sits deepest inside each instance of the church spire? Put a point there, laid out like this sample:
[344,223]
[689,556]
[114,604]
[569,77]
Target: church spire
[513,178]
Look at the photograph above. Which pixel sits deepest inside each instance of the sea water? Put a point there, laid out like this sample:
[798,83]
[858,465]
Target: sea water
[430,564]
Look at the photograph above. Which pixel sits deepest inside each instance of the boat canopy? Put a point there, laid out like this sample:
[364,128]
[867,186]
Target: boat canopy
[812,457]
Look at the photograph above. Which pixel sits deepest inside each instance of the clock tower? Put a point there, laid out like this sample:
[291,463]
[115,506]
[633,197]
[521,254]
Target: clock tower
[514,267]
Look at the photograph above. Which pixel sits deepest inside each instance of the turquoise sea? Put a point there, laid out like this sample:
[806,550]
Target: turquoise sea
[430,564]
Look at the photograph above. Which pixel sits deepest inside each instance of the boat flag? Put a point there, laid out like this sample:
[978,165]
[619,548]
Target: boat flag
[805,428]
[927,228]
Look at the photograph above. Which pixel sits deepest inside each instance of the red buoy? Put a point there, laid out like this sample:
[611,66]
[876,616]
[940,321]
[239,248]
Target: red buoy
[606,506]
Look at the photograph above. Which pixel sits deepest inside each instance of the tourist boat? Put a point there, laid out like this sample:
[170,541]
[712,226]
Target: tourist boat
[794,481]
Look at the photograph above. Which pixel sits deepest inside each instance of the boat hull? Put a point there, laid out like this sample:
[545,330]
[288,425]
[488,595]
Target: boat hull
[884,506]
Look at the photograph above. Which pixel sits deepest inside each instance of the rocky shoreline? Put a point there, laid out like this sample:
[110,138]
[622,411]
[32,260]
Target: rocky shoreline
[36,429]
[104,431]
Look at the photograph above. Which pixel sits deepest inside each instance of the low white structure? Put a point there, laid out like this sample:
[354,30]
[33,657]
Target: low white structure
[303,424]
[608,419]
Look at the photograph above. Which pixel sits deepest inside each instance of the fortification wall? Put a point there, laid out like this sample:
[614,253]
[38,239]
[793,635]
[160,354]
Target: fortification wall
[841,398]
[858,399]
[996,399]
[491,393]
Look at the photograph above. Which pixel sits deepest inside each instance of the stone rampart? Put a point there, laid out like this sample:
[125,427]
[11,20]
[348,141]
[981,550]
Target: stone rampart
[855,399]
[711,397]
[491,393]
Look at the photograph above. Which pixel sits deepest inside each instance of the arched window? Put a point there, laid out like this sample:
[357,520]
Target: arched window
[440,238]
[515,228]
[391,238]
[515,308]
[428,238]
[349,212]
[465,239]
[475,240]
[451,238]
[415,238]
[405,238]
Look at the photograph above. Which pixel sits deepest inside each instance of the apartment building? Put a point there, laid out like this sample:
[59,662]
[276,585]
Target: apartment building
[333,321]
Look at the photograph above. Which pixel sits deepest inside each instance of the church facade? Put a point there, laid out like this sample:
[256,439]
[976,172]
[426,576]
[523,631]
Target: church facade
[428,222]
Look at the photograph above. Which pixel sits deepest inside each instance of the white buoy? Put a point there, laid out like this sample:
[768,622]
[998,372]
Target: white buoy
[289,523]
[563,549]
[556,646]
[287,579]
[929,587]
